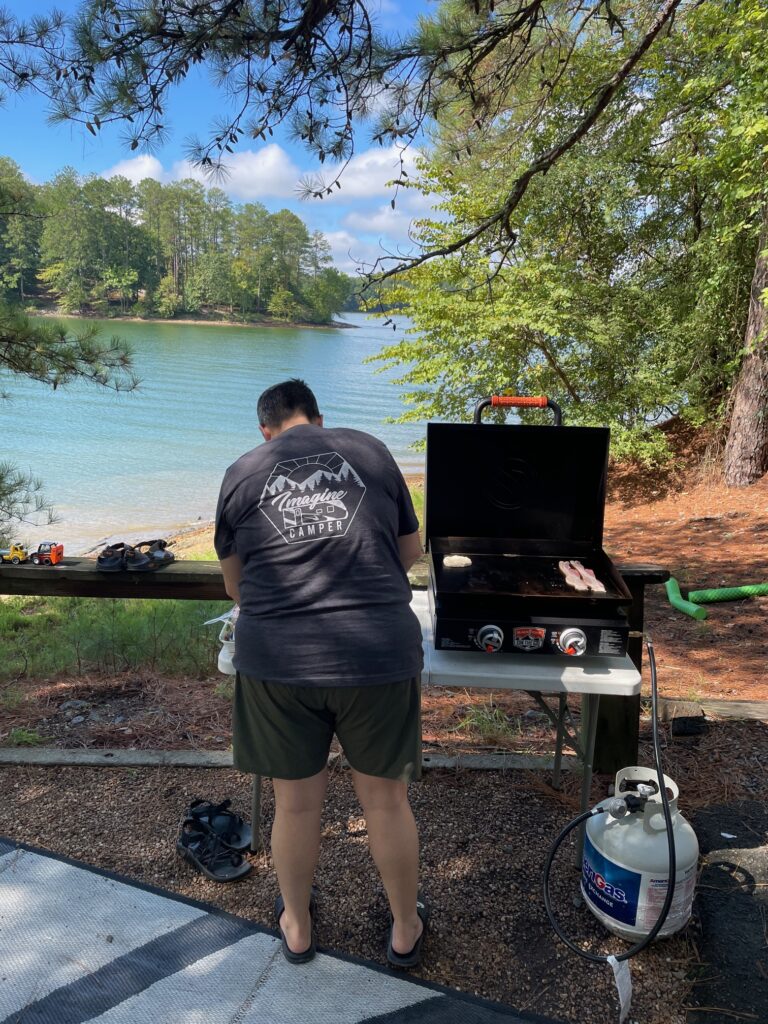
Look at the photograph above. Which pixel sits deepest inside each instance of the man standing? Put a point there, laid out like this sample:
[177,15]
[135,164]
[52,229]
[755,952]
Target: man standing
[315,531]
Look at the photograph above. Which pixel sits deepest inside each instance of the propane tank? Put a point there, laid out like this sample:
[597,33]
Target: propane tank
[625,870]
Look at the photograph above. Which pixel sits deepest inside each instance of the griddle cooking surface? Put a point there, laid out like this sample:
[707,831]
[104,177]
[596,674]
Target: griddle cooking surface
[514,575]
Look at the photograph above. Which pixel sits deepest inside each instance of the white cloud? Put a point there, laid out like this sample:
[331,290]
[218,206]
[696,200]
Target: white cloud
[383,221]
[353,254]
[350,254]
[368,172]
[359,232]
[395,225]
[250,174]
[137,169]
[269,172]
[383,7]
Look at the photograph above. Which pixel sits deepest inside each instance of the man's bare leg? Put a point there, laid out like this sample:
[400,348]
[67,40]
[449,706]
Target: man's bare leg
[295,848]
[394,844]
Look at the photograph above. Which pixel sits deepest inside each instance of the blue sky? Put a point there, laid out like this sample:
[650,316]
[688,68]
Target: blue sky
[357,220]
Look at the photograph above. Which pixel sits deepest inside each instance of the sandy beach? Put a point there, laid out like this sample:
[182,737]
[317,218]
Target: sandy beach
[209,322]
[194,539]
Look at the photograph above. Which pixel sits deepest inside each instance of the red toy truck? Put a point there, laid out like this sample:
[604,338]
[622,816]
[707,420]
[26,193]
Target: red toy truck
[48,553]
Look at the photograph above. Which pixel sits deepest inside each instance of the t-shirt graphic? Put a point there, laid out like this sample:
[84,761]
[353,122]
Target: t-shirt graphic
[312,498]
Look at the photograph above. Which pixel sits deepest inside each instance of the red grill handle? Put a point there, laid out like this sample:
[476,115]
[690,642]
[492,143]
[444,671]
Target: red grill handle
[520,401]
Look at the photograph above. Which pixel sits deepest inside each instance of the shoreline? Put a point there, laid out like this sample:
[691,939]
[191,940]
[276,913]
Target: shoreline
[189,536]
[333,325]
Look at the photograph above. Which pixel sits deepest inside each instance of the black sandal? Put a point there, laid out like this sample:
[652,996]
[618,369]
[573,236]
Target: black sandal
[148,555]
[309,952]
[411,959]
[229,826]
[206,851]
[112,558]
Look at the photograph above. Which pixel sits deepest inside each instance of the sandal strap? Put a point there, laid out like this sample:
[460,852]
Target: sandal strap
[204,808]
[200,810]
[211,850]
[111,549]
[153,545]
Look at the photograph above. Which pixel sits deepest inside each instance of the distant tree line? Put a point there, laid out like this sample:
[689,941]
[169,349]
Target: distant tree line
[111,246]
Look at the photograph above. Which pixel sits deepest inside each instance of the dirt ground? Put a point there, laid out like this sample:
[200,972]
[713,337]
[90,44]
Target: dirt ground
[484,834]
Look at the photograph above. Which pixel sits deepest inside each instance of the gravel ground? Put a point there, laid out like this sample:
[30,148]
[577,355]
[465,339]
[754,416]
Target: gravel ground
[484,840]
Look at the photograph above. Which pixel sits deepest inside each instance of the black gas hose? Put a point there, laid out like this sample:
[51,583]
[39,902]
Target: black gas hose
[633,950]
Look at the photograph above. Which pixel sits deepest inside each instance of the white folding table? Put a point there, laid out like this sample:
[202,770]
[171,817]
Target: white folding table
[536,674]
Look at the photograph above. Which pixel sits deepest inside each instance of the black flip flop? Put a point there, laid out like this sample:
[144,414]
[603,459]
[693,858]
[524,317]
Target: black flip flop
[112,558]
[309,952]
[225,823]
[403,961]
[205,851]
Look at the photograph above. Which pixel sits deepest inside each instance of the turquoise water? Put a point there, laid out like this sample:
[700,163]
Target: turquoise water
[124,465]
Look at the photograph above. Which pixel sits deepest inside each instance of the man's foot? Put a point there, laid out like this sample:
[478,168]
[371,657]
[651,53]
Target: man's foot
[399,952]
[405,937]
[297,937]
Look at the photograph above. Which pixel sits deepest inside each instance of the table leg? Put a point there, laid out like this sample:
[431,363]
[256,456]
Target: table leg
[559,741]
[590,702]
[256,814]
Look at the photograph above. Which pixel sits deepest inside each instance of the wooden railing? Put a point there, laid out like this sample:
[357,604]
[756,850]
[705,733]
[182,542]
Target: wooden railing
[79,577]
[618,720]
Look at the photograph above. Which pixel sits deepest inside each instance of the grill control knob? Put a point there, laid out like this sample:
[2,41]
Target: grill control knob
[490,639]
[573,641]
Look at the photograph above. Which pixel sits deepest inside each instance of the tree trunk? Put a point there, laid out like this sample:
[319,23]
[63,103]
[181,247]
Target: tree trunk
[746,450]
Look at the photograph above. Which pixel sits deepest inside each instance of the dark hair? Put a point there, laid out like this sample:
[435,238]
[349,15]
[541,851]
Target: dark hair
[283,401]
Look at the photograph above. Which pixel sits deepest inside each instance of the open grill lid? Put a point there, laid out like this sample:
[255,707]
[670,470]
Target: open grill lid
[527,483]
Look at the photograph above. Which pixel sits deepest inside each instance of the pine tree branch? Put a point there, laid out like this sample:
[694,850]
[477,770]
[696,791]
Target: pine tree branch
[501,218]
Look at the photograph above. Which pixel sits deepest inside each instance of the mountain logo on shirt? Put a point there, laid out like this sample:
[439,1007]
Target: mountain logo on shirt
[313,498]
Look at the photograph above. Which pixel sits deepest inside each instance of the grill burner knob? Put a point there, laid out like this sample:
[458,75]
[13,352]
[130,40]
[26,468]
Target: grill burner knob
[573,641]
[490,639]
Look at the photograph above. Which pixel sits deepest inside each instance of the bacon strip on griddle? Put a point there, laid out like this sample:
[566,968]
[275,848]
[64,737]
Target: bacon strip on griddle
[572,577]
[589,577]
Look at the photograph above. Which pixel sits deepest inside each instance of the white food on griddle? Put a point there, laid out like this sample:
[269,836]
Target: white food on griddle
[589,578]
[572,577]
[456,561]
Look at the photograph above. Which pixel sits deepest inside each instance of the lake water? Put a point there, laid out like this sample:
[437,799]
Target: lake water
[136,465]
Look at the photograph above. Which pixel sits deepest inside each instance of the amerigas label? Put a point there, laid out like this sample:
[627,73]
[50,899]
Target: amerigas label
[314,498]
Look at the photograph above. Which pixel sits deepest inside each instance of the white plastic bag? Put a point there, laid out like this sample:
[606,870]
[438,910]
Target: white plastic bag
[227,638]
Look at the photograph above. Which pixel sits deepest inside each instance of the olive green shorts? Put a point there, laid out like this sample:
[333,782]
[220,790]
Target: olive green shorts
[285,732]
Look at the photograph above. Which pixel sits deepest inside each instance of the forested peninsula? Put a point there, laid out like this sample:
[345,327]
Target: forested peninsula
[109,247]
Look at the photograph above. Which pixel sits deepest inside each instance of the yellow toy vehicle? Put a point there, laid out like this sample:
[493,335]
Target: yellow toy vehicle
[15,553]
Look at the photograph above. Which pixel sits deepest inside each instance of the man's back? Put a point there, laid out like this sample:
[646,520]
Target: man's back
[314,516]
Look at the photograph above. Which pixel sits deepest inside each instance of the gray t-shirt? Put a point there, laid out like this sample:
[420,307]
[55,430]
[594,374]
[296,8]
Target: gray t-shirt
[314,515]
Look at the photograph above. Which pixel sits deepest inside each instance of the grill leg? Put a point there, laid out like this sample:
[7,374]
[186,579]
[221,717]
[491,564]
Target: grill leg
[256,844]
[590,703]
[559,742]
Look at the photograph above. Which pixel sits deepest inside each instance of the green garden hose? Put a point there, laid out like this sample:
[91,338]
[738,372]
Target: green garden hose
[728,593]
[677,600]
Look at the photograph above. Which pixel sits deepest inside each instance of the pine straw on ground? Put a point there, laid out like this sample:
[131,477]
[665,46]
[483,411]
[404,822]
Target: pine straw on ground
[484,839]
[484,835]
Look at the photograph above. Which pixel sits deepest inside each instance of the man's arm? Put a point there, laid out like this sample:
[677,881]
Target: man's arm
[232,570]
[410,549]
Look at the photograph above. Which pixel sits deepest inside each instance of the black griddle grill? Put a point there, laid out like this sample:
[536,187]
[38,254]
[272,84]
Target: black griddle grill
[516,500]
